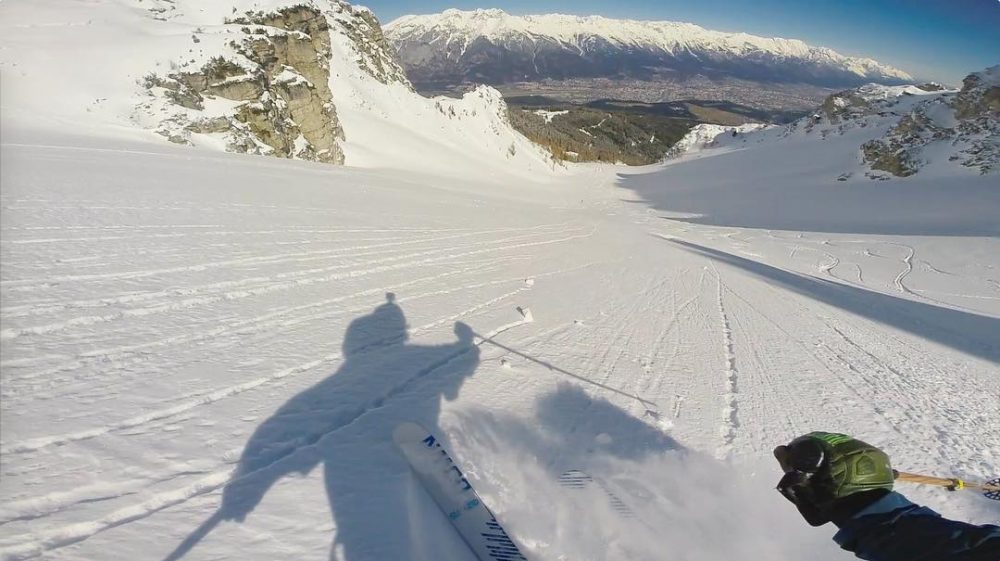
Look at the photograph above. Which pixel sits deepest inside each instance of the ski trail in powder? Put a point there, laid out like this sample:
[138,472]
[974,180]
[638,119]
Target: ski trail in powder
[730,411]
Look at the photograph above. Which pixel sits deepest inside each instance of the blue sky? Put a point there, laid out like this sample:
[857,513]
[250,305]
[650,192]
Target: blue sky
[940,40]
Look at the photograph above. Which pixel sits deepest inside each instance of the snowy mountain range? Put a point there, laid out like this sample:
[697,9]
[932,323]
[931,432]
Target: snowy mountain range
[493,47]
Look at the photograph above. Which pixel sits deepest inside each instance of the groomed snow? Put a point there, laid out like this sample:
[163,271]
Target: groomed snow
[161,305]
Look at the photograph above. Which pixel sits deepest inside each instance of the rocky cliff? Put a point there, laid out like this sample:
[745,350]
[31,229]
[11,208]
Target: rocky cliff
[266,87]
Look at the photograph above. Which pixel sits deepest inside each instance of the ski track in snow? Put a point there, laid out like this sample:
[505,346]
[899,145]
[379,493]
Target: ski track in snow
[223,393]
[265,286]
[908,262]
[377,266]
[730,412]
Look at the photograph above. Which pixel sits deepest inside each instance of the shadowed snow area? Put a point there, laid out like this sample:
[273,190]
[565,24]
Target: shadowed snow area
[770,183]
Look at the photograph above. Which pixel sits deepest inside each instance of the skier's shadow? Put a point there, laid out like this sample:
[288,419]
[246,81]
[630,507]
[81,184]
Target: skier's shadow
[571,429]
[317,426]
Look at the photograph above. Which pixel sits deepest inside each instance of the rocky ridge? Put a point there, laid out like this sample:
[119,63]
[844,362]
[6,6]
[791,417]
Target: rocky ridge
[909,127]
[925,121]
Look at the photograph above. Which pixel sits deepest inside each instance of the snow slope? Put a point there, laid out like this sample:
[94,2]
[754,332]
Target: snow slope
[173,319]
[707,136]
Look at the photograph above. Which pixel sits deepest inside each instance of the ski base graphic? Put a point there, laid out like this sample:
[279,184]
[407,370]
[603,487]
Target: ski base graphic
[453,493]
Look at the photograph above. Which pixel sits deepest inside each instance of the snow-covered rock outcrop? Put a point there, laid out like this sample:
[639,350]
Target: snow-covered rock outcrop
[924,123]
[977,108]
[706,135]
[288,70]
[898,130]
[276,74]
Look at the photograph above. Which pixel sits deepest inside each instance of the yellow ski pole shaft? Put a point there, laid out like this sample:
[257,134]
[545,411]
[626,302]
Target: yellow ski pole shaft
[990,489]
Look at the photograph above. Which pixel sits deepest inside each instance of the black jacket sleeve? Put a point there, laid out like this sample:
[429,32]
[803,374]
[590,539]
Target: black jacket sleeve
[894,529]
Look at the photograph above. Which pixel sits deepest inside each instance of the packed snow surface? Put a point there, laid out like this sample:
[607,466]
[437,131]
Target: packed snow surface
[174,320]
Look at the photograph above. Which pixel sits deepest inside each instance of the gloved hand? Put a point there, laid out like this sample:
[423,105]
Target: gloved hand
[832,477]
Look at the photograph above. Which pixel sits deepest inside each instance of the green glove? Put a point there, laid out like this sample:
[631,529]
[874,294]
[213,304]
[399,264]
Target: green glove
[830,476]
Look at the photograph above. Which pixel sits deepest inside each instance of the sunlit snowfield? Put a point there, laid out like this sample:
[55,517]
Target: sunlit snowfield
[161,304]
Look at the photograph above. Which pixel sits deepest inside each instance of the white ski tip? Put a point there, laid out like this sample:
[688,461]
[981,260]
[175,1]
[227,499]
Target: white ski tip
[526,314]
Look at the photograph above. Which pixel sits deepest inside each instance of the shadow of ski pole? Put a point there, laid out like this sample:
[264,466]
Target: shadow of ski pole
[199,534]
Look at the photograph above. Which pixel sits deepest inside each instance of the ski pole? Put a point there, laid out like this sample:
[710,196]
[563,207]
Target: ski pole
[566,372]
[990,489]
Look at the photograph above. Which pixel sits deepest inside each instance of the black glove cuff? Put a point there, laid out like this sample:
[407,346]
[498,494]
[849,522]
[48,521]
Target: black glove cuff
[843,510]
[813,514]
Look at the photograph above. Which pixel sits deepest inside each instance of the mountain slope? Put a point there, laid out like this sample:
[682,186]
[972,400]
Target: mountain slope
[899,130]
[305,80]
[174,319]
[490,46]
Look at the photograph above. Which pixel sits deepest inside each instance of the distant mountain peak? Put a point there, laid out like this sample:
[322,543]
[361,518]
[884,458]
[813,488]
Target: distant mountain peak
[477,13]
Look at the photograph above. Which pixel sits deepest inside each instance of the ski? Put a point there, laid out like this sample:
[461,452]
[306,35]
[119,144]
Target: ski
[453,493]
[581,480]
